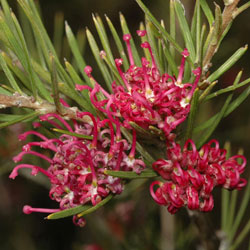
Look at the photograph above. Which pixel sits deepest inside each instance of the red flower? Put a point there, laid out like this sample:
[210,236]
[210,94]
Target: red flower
[191,175]
[77,170]
[146,97]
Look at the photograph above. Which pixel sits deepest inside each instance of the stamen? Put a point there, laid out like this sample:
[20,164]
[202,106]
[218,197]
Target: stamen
[112,136]
[20,155]
[118,63]
[28,210]
[146,45]
[95,129]
[133,146]
[23,136]
[185,54]
[58,117]
[35,170]
[148,90]
[141,33]
[197,73]
[127,38]
[119,159]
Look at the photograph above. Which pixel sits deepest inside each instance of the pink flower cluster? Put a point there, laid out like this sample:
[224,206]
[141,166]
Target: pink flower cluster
[146,97]
[191,176]
[77,169]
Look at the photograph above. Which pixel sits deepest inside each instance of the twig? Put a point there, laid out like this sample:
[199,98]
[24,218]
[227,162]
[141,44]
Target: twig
[227,18]
[208,236]
[43,107]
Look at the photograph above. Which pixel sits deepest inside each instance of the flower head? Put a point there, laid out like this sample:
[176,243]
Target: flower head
[191,175]
[77,170]
[146,97]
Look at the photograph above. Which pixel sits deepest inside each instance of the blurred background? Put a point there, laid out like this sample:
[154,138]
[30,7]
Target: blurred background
[134,222]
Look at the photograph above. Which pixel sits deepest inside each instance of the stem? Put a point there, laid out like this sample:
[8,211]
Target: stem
[227,18]
[43,107]
[208,238]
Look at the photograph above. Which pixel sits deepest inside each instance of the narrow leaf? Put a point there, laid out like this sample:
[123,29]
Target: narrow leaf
[104,39]
[159,27]
[61,131]
[125,30]
[132,175]
[9,75]
[96,52]
[58,32]
[192,115]
[92,209]
[28,116]
[180,12]
[76,52]
[228,64]
[55,88]
[207,11]
[68,212]
[118,43]
[220,115]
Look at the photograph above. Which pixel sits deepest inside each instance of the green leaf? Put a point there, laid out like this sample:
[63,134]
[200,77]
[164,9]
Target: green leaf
[9,117]
[151,40]
[219,116]
[76,52]
[9,75]
[103,37]
[132,175]
[198,34]
[240,213]
[23,118]
[16,70]
[212,122]
[172,23]
[79,210]
[241,236]
[164,33]
[207,91]
[242,97]
[75,77]
[228,89]
[68,212]
[4,91]
[217,25]
[66,90]
[96,52]
[231,215]
[28,33]
[170,59]
[241,9]
[224,208]
[34,81]
[180,12]
[145,39]
[58,32]
[113,69]
[93,209]
[55,88]
[61,131]
[192,115]
[118,43]
[228,64]
[125,30]
[207,11]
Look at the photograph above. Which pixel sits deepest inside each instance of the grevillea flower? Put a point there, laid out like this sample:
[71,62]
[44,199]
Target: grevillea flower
[191,175]
[77,170]
[146,97]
